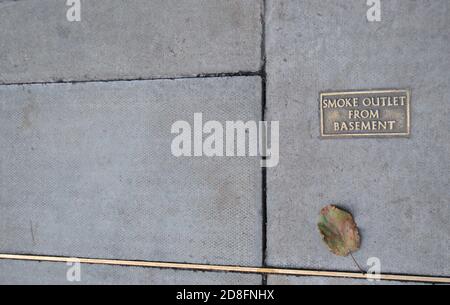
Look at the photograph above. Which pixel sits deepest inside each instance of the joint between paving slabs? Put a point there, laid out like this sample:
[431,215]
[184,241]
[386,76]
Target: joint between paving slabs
[197,76]
[263,115]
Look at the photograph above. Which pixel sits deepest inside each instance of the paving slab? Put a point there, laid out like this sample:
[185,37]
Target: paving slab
[136,39]
[397,188]
[86,170]
[315,280]
[44,273]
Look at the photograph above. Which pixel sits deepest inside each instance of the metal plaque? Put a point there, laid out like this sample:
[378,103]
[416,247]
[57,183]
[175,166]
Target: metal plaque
[365,113]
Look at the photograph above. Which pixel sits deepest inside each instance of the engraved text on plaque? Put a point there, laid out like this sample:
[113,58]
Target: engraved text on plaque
[365,113]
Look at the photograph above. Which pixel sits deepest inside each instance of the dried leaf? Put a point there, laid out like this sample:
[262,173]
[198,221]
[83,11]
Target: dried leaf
[339,231]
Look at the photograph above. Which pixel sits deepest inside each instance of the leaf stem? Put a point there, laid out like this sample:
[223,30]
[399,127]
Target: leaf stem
[356,263]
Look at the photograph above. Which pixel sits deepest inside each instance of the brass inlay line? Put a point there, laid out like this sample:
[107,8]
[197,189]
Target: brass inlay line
[223,268]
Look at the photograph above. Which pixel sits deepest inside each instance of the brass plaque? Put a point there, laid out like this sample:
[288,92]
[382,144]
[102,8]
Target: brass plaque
[365,113]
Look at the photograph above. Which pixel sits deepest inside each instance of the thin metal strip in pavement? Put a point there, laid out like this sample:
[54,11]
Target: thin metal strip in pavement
[224,268]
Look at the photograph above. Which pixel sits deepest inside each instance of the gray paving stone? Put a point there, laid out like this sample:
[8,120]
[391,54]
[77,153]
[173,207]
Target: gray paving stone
[43,273]
[87,171]
[398,189]
[127,39]
[313,280]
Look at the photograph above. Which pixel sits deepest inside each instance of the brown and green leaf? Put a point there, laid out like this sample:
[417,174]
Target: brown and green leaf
[339,231]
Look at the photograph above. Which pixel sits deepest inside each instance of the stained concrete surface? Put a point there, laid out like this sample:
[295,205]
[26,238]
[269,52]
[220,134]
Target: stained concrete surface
[43,273]
[316,280]
[87,171]
[397,189]
[128,39]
